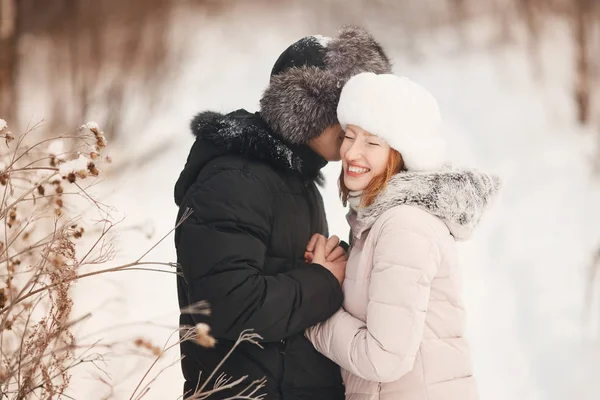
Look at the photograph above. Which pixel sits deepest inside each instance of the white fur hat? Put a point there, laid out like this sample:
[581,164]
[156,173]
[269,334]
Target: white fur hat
[398,110]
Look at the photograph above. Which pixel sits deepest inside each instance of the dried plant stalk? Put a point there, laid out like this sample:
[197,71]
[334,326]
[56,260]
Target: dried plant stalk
[46,243]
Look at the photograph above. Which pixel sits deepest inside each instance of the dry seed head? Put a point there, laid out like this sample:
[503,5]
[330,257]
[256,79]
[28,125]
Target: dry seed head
[100,141]
[3,298]
[78,233]
[3,375]
[59,261]
[62,252]
[94,152]
[12,217]
[146,344]
[74,168]
[93,170]
[12,268]
[203,337]
[95,129]
[12,264]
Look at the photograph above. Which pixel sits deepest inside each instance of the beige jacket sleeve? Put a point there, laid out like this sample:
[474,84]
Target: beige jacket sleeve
[406,259]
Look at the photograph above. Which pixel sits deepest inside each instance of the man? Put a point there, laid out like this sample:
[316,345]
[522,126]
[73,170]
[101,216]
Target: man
[250,182]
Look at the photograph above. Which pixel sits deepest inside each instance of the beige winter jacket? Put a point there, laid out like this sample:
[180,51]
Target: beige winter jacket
[400,333]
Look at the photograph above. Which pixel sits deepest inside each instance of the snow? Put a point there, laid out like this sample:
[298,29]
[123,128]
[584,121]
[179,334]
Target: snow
[323,40]
[56,147]
[75,165]
[91,125]
[525,271]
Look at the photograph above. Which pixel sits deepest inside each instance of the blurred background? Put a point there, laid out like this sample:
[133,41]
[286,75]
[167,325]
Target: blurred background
[518,83]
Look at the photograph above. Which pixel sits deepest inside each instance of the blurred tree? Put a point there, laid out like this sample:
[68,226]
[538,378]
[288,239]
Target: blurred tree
[95,55]
[406,20]
[583,14]
[9,31]
[100,55]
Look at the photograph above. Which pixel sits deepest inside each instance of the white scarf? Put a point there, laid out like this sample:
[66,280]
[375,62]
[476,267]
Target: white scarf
[354,199]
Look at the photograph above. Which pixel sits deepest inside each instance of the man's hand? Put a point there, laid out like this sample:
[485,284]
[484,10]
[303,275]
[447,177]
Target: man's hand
[333,251]
[320,246]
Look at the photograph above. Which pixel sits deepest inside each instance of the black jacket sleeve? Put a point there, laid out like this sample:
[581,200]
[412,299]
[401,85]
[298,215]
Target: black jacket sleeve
[222,253]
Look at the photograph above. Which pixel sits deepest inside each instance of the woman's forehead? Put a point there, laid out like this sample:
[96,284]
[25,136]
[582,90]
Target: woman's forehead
[358,129]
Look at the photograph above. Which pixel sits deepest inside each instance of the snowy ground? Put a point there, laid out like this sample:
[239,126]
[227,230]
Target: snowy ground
[525,270]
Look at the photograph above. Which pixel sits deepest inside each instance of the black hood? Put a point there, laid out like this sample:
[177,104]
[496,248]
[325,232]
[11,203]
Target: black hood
[246,134]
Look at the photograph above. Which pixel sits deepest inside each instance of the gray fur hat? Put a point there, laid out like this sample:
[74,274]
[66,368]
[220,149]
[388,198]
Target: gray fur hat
[302,97]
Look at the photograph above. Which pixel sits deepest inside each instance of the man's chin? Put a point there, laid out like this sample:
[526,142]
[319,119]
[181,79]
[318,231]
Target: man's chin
[335,157]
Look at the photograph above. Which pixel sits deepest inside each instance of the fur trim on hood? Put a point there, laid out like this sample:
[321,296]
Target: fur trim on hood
[457,197]
[301,100]
[246,134]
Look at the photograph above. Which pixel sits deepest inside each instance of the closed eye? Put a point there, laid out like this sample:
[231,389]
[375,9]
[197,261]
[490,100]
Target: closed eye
[373,144]
[349,137]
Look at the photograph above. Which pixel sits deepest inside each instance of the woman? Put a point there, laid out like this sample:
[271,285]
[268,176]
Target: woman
[400,333]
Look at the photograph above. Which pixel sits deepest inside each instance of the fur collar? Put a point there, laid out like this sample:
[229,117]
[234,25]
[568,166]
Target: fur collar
[457,197]
[246,134]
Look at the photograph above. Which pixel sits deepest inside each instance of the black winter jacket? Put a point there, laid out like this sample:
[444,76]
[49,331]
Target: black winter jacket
[254,207]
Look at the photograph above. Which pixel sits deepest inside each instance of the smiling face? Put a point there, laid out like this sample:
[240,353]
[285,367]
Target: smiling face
[364,157]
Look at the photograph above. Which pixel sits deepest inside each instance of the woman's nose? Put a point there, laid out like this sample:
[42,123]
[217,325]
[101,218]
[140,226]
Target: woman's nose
[354,152]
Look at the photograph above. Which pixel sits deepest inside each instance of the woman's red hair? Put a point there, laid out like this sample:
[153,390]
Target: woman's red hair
[395,164]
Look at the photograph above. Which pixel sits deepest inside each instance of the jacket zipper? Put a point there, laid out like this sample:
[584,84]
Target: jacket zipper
[282,351]
[311,194]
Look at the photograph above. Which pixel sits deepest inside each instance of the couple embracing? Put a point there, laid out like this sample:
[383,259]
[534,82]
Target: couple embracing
[380,318]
